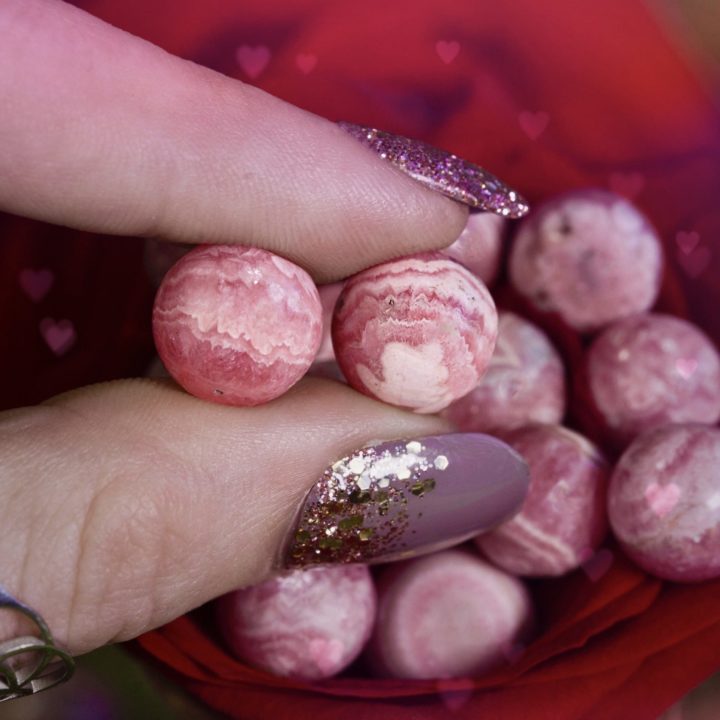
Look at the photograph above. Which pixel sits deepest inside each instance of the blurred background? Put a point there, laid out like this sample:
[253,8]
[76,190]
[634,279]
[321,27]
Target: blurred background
[113,684]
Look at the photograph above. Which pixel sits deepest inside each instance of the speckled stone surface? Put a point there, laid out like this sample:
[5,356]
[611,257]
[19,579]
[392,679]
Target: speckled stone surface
[416,332]
[446,615]
[563,518]
[588,255]
[479,246]
[653,369]
[307,624]
[524,382]
[236,325]
[664,502]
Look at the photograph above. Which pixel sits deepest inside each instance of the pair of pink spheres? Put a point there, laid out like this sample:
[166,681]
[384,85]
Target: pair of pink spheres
[240,326]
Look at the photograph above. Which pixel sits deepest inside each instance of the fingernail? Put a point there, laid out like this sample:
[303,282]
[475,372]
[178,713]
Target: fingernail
[399,499]
[443,172]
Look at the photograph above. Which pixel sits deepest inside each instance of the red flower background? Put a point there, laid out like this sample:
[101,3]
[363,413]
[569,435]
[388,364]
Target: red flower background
[549,96]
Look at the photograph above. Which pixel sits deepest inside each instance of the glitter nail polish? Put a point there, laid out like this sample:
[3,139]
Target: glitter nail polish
[399,499]
[442,171]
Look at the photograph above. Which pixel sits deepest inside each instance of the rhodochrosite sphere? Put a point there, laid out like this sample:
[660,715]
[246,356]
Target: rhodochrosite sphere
[449,614]
[650,370]
[588,255]
[562,520]
[479,246]
[664,502]
[416,332]
[308,624]
[524,383]
[236,325]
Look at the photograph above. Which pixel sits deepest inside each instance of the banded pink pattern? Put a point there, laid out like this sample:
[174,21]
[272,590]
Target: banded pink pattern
[236,325]
[416,332]
[563,516]
[307,624]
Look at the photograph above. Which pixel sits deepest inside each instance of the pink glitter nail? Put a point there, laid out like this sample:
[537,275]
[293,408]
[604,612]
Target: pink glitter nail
[442,171]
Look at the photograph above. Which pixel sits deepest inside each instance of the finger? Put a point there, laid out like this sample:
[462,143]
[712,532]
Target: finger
[103,131]
[129,503]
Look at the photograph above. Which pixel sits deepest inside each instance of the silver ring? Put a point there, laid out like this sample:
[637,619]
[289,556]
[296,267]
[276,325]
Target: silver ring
[30,664]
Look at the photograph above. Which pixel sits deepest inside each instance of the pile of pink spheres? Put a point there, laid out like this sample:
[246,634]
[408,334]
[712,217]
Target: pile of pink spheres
[240,326]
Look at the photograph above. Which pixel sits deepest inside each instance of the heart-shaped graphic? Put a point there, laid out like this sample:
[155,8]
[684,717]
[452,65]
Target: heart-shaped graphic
[447,50]
[662,498]
[252,59]
[533,124]
[627,184]
[687,241]
[306,62]
[695,262]
[596,564]
[686,367]
[36,283]
[60,336]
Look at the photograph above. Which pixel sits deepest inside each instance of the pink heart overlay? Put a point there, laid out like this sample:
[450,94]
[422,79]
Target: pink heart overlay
[36,283]
[60,336]
[533,124]
[687,241]
[596,564]
[252,59]
[306,62]
[662,498]
[629,184]
[447,50]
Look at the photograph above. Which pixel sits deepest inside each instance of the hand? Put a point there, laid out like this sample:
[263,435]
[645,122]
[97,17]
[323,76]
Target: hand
[128,503]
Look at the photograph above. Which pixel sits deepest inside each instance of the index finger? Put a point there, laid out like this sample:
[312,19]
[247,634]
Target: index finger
[103,131]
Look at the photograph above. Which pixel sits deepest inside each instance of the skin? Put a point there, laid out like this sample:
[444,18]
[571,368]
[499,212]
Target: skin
[128,503]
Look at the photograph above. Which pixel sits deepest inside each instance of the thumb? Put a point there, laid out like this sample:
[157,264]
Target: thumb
[129,503]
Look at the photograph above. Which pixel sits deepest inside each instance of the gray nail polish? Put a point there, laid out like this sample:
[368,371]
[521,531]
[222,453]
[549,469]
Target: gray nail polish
[442,171]
[405,498]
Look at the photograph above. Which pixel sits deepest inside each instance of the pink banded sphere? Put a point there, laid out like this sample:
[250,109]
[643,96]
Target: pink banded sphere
[650,370]
[479,246]
[588,255]
[449,614]
[524,383]
[416,332]
[308,624]
[236,325]
[563,519]
[664,502]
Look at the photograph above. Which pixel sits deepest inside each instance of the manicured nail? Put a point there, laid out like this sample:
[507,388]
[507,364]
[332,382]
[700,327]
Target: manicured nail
[443,172]
[400,499]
